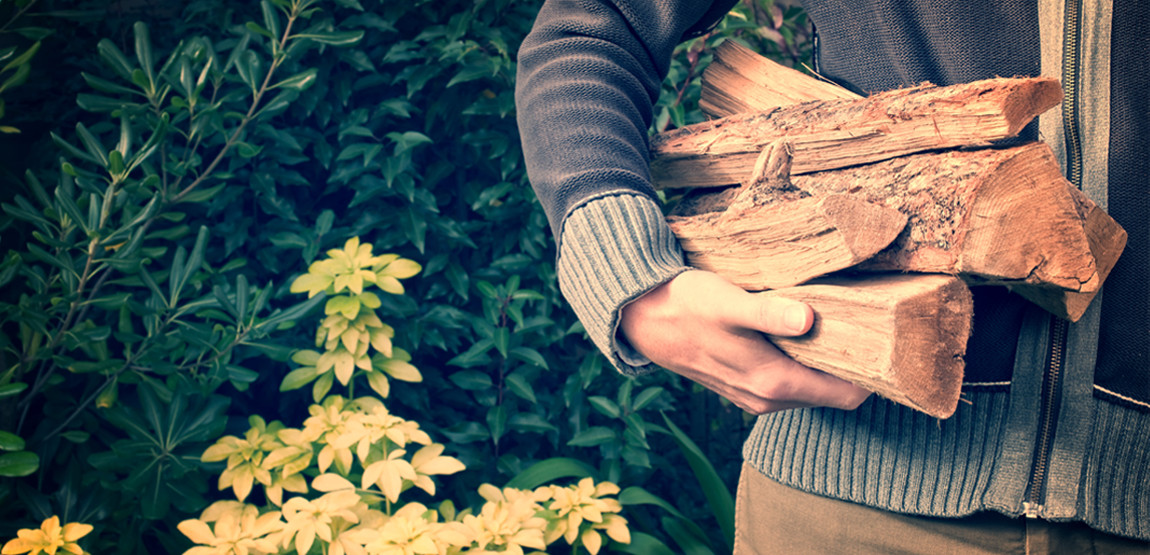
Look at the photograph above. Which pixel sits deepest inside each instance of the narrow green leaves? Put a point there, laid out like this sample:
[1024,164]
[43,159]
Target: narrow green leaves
[333,38]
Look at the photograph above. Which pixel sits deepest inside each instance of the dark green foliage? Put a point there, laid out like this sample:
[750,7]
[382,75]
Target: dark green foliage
[205,154]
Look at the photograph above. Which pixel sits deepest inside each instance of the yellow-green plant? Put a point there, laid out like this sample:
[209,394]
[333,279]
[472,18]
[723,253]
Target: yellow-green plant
[50,538]
[351,328]
[336,484]
[350,463]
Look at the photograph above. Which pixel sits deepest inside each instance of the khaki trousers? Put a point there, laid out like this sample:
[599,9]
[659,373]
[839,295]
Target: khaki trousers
[773,518]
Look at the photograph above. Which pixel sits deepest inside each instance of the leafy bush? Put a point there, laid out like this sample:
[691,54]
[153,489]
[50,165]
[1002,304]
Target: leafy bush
[149,252]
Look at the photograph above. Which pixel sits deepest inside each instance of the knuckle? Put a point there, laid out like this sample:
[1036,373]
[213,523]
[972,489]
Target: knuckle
[776,389]
[854,400]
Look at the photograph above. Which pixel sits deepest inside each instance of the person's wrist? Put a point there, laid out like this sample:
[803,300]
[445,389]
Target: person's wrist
[613,250]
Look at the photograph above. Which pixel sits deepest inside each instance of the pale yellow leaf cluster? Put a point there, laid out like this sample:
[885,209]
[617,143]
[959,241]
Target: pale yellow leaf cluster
[351,329]
[582,511]
[239,529]
[50,538]
[509,521]
[353,266]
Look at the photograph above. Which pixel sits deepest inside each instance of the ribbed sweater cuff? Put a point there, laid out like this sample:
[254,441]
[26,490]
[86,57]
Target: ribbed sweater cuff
[614,249]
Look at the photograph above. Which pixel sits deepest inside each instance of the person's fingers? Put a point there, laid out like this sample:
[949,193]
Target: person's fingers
[703,327]
[737,308]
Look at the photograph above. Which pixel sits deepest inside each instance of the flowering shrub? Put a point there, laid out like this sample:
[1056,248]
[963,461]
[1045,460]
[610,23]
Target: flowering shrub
[361,460]
[352,460]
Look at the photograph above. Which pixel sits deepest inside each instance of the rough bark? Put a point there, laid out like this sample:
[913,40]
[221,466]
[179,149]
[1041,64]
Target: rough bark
[992,216]
[832,134]
[771,236]
[787,243]
[902,336]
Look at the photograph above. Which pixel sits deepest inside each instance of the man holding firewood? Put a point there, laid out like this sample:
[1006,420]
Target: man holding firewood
[1052,452]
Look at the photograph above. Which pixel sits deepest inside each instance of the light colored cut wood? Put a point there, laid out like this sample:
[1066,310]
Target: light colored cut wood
[902,336]
[1004,216]
[1107,241]
[788,242]
[768,238]
[739,80]
[833,134]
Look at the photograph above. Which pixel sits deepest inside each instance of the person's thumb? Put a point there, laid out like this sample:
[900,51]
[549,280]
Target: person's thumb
[775,316]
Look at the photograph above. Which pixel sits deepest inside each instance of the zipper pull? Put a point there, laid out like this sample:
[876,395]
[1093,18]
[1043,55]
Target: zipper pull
[1031,510]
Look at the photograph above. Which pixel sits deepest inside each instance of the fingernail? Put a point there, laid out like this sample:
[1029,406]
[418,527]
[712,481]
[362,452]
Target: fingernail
[795,318]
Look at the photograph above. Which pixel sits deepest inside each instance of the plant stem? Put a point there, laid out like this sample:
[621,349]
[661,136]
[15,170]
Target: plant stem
[19,13]
[256,97]
[47,369]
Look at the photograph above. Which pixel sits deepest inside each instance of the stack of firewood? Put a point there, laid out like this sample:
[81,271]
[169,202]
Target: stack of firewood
[901,195]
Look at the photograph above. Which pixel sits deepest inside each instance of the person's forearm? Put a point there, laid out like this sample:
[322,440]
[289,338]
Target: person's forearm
[589,73]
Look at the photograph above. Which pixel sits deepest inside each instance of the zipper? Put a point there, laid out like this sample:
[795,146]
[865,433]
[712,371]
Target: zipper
[1059,328]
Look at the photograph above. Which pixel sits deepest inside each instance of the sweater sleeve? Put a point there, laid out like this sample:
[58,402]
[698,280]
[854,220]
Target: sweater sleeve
[589,73]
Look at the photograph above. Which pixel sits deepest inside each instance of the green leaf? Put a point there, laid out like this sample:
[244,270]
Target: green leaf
[550,470]
[321,386]
[470,73]
[22,59]
[334,38]
[10,441]
[299,81]
[642,544]
[408,140]
[202,195]
[76,436]
[9,390]
[474,355]
[530,356]
[66,204]
[691,539]
[717,493]
[471,380]
[645,397]
[605,406]
[247,66]
[595,435]
[271,18]
[502,340]
[530,422]
[636,495]
[18,464]
[144,52]
[255,28]
[520,386]
[497,422]
[298,378]
[115,58]
[486,289]
[105,86]
[238,51]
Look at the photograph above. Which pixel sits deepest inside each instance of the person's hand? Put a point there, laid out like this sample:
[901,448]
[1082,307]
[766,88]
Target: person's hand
[701,326]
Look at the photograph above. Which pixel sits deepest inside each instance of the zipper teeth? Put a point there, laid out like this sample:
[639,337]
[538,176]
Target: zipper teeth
[1070,128]
[1059,328]
[1050,387]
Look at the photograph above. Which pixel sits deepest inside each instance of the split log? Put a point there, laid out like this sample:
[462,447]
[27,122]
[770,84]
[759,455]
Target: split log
[739,80]
[743,81]
[1004,216]
[1107,241]
[764,240]
[787,243]
[902,336]
[833,134]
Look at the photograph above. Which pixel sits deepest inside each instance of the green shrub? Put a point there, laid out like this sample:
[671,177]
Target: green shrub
[209,159]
